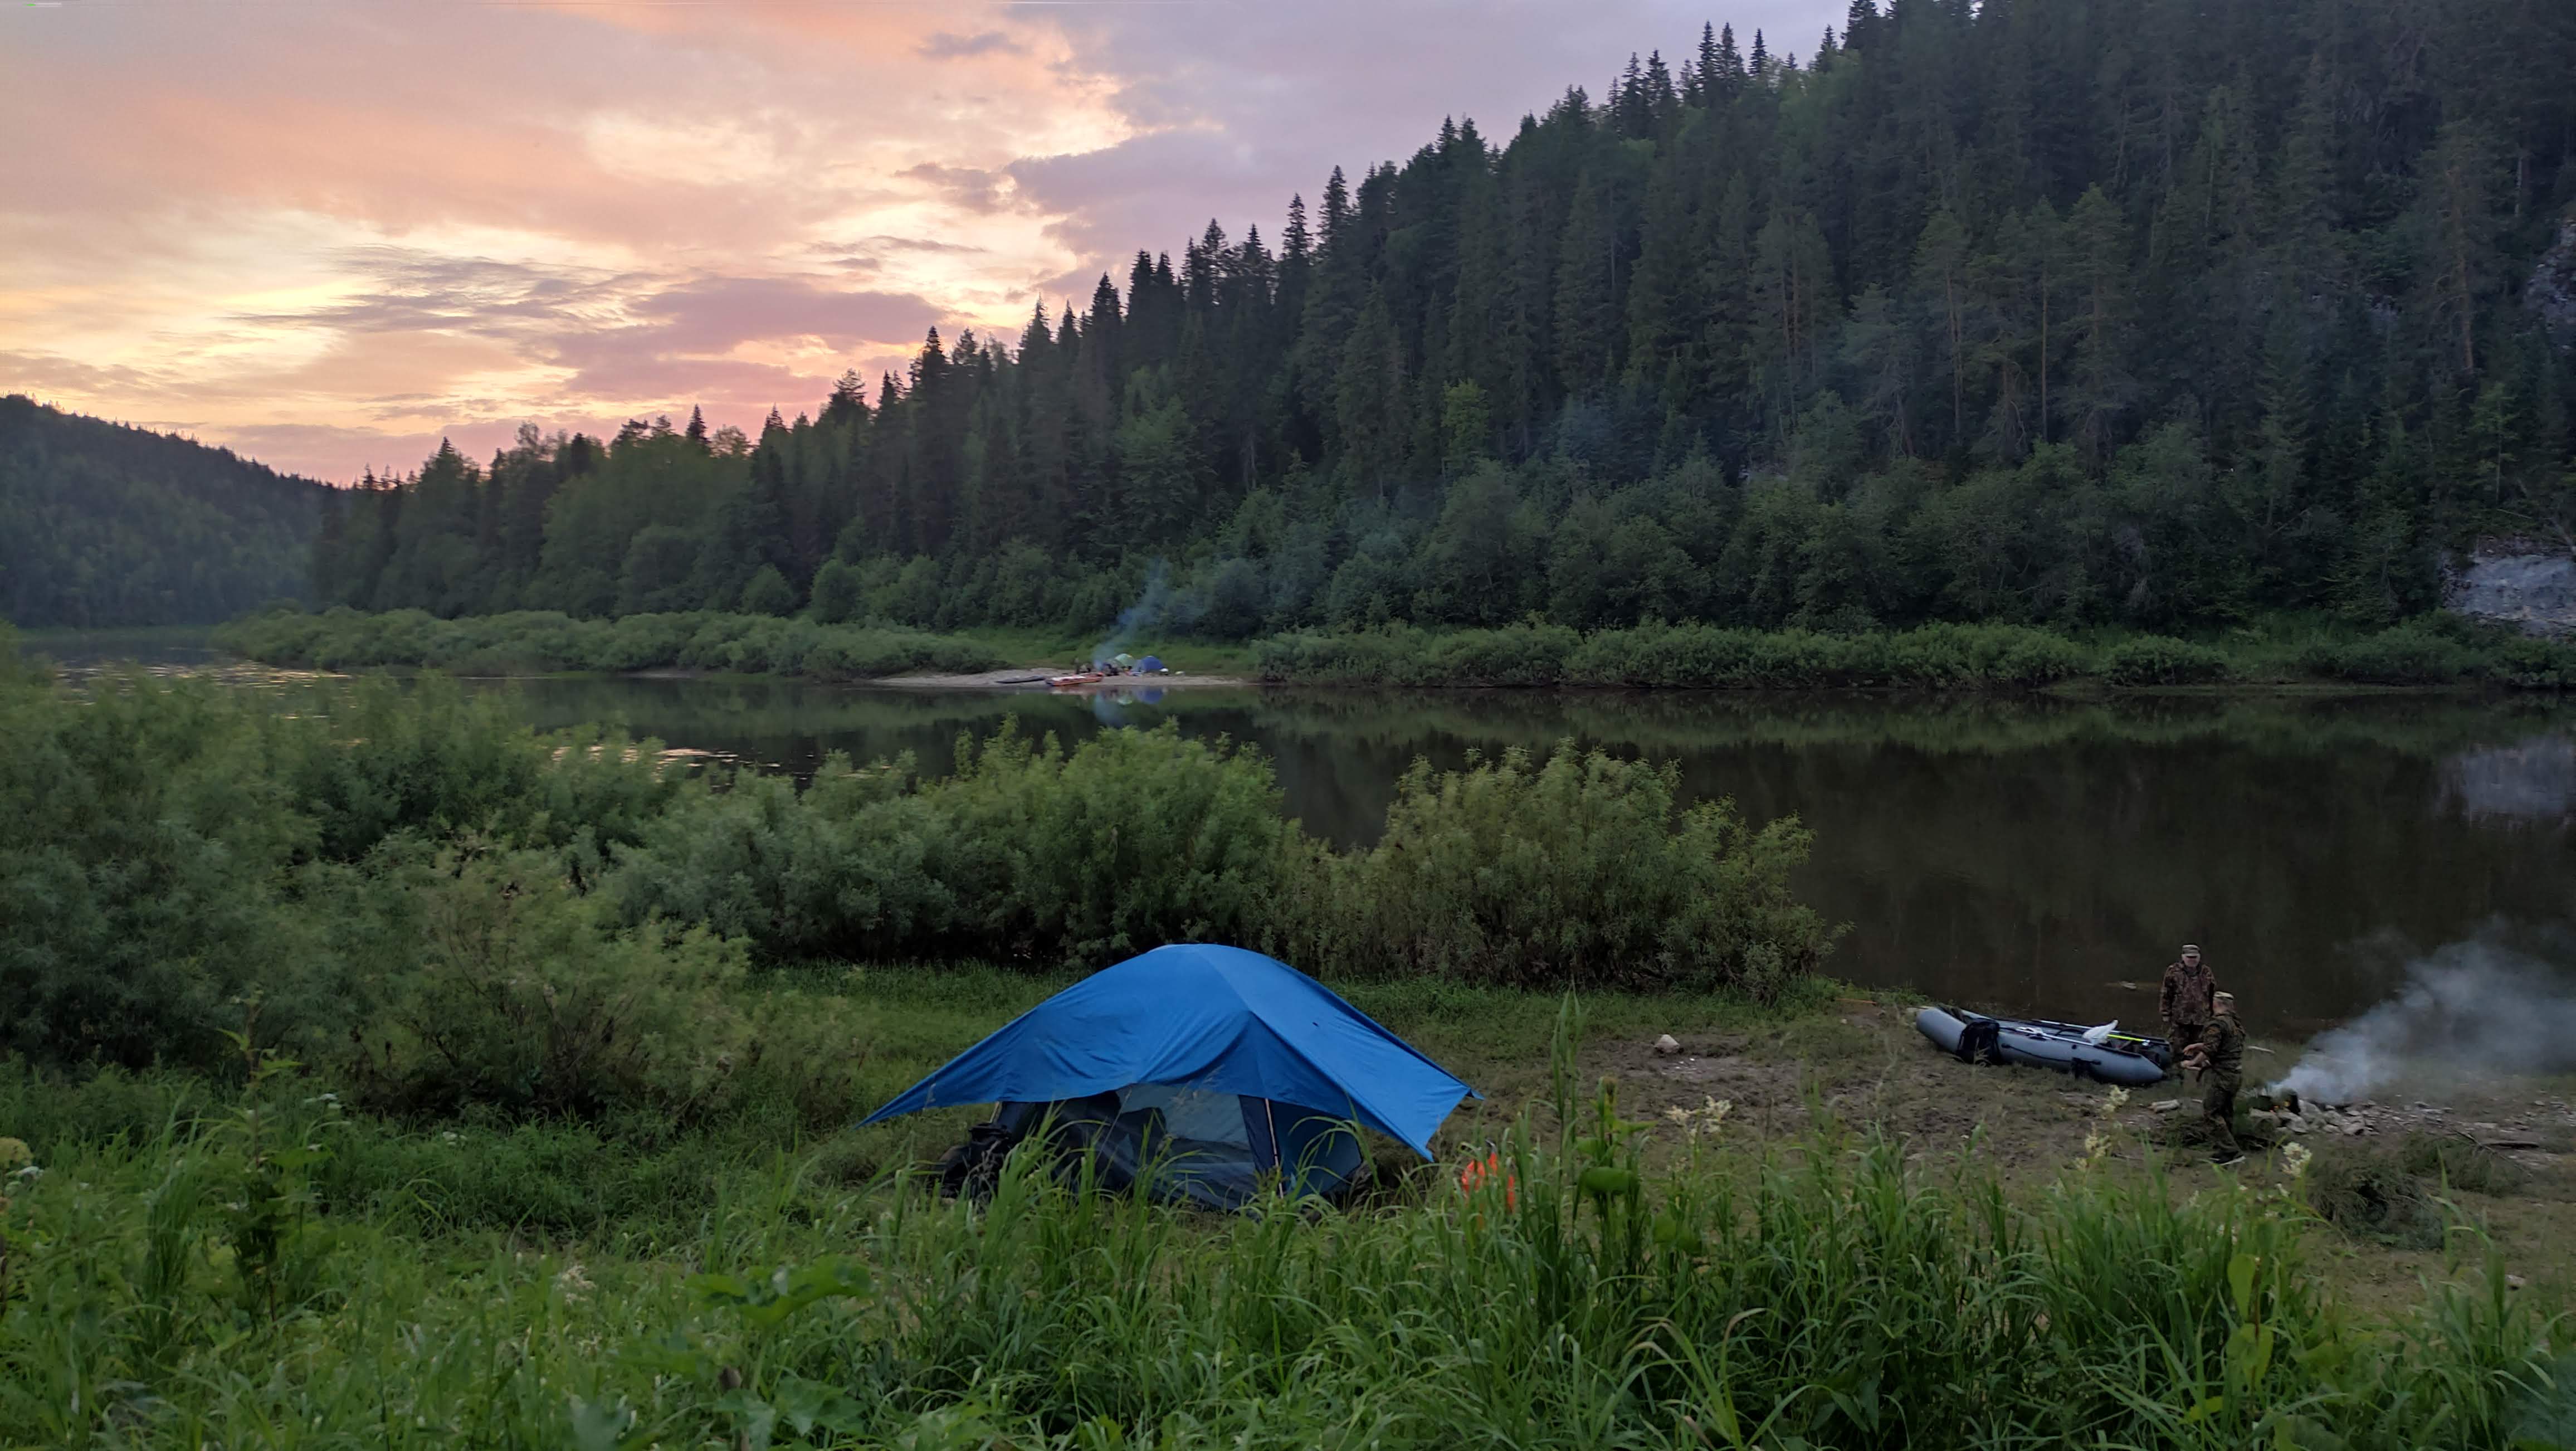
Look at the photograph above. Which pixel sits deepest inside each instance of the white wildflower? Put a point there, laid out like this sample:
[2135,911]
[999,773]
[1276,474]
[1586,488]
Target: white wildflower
[572,1282]
[2295,1157]
[1701,1121]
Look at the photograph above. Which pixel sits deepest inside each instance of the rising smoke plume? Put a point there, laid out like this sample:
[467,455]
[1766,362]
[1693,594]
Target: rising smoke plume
[2468,1010]
[1159,607]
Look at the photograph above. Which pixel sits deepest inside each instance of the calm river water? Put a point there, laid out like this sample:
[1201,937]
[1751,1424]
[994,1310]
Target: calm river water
[2031,854]
[2017,853]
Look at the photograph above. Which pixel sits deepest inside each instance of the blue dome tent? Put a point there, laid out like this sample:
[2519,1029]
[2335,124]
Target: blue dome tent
[1201,1071]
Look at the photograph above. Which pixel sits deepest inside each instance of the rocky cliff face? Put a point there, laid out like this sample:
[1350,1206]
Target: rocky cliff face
[2532,590]
[2550,292]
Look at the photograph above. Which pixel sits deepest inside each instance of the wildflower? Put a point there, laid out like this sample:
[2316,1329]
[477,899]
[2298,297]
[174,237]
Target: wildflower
[1706,1119]
[2295,1159]
[14,1152]
[2097,1146]
[572,1282]
[2118,1098]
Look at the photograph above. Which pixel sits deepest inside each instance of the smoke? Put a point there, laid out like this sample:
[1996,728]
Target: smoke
[1159,607]
[2470,1009]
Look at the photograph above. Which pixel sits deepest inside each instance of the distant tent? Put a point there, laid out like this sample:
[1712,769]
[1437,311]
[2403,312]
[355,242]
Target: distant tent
[1198,1071]
[1150,665]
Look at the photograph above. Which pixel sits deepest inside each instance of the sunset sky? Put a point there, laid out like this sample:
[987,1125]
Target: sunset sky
[328,232]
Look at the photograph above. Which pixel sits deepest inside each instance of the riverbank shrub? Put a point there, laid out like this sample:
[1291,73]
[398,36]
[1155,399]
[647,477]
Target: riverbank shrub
[398,885]
[1572,869]
[2163,660]
[1030,852]
[1929,657]
[484,980]
[530,641]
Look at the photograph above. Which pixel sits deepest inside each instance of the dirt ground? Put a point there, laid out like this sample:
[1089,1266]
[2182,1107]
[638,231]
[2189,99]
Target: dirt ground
[1866,1066]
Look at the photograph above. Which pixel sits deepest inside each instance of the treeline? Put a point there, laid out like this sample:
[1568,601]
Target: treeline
[441,908]
[2148,314]
[107,525]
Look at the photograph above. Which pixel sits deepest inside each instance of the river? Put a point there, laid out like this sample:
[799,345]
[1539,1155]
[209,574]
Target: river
[2021,853]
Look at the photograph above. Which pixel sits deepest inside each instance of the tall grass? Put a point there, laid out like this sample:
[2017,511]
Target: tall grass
[1833,1295]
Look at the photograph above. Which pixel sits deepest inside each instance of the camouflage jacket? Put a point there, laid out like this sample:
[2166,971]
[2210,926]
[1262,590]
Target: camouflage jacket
[2189,994]
[2225,1040]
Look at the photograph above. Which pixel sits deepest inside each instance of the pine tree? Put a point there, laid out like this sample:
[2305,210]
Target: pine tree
[1586,292]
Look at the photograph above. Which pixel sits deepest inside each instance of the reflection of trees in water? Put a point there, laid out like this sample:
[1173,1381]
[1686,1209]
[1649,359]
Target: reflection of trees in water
[2011,850]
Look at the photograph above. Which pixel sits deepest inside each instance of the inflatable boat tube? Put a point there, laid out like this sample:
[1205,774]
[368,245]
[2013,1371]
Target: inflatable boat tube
[2042,1043]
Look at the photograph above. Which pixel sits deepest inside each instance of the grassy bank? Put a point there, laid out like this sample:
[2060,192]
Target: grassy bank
[201,1265]
[2426,652]
[540,641]
[2434,651]
[394,1076]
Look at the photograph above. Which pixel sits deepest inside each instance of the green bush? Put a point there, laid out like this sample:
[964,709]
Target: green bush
[146,871]
[2410,654]
[1029,852]
[176,851]
[1576,871]
[1677,657]
[489,981]
[543,640]
[2163,660]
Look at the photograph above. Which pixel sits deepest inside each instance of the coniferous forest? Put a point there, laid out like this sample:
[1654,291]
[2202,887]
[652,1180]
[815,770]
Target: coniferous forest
[110,526]
[2162,314]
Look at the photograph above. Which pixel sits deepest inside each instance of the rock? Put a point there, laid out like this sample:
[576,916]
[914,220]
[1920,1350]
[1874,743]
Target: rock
[2515,1282]
[2550,291]
[2356,1130]
[2170,1105]
[2509,1143]
[1667,1045]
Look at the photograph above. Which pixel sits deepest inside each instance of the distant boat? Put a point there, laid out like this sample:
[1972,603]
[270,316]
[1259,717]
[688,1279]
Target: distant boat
[1087,677]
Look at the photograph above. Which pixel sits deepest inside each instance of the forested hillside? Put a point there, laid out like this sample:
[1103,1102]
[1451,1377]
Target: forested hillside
[105,525]
[2161,313]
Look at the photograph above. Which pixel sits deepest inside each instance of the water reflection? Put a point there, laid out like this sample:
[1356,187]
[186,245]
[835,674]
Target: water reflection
[2531,780]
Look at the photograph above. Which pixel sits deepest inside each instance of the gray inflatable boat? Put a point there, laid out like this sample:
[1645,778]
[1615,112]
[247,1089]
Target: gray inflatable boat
[2123,1058]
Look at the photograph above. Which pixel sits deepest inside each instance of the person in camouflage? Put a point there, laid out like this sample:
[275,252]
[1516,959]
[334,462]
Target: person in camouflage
[2220,1057]
[2189,986]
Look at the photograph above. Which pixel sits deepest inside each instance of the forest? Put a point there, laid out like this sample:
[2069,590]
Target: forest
[2157,315]
[110,525]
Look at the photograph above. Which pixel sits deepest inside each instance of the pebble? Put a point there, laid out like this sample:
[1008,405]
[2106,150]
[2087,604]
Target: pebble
[2515,1282]
[1667,1045]
[2169,1105]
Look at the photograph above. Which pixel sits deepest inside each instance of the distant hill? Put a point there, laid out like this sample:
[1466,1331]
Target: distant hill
[104,525]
